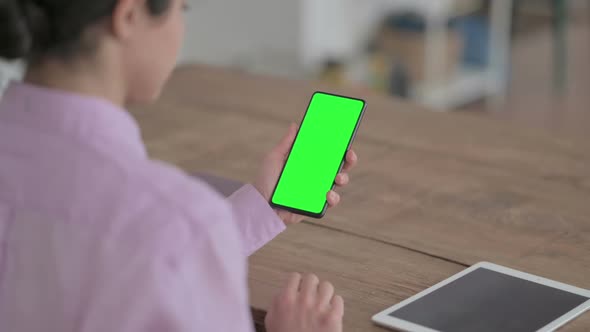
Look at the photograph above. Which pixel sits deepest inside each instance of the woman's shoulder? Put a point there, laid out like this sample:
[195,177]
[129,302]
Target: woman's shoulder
[153,199]
[171,188]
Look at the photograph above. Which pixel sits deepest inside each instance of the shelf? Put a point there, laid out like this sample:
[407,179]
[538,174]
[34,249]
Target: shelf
[467,86]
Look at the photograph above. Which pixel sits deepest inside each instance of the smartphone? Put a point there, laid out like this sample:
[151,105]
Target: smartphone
[318,154]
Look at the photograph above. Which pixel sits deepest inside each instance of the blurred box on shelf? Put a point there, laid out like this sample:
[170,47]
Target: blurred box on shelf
[408,48]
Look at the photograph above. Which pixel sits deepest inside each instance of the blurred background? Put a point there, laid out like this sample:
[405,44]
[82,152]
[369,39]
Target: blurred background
[527,60]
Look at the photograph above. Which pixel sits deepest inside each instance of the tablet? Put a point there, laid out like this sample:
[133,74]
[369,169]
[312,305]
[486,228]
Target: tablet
[488,297]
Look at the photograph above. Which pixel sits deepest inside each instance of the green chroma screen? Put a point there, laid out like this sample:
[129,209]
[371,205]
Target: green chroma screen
[316,156]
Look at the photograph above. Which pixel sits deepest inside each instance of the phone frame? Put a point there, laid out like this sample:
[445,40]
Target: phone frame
[350,141]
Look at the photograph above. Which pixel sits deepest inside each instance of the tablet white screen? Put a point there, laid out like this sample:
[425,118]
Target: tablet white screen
[486,300]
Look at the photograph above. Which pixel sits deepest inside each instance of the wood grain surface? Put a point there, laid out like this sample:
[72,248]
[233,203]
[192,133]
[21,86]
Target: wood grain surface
[433,192]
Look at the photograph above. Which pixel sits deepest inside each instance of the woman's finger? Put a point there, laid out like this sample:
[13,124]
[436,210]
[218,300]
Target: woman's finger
[309,288]
[351,160]
[342,179]
[293,284]
[325,294]
[337,306]
[333,198]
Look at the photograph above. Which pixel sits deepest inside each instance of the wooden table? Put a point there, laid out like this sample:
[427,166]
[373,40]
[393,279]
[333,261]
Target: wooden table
[433,193]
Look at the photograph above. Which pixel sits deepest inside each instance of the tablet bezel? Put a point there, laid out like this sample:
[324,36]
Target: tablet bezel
[385,320]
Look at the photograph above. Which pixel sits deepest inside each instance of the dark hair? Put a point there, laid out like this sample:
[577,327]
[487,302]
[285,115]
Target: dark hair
[32,29]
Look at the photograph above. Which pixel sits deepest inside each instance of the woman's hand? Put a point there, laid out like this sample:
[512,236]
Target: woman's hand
[305,305]
[273,165]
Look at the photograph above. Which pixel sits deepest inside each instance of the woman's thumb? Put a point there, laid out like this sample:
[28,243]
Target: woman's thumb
[287,141]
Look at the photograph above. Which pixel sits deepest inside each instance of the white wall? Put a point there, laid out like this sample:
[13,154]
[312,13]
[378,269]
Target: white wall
[336,28]
[9,71]
[227,32]
[278,33]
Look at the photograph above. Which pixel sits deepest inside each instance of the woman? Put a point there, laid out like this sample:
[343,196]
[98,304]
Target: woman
[94,236]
